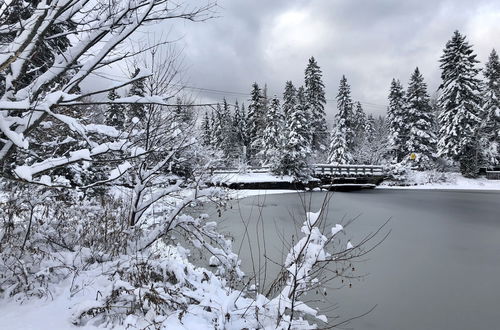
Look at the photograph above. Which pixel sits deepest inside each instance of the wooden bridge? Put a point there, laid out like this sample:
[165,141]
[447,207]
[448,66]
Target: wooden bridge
[348,177]
[327,176]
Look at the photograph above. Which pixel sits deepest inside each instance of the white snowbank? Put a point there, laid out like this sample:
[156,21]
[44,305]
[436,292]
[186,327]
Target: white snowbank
[447,181]
[237,194]
[250,178]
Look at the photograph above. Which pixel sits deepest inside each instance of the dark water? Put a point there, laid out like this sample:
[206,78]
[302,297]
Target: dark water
[438,269]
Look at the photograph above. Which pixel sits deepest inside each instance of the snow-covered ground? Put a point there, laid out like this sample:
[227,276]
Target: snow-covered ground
[447,181]
[259,192]
[249,178]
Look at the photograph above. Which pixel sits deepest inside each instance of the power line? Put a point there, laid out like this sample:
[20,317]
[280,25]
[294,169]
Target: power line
[225,92]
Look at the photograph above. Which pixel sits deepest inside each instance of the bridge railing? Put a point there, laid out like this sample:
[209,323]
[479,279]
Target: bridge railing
[344,170]
[348,170]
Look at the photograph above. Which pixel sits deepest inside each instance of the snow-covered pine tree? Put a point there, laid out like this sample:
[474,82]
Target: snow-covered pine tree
[272,139]
[460,102]
[397,117]
[256,120]
[216,127]
[289,99]
[359,124]
[315,97]
[370,127]
[206,130]
[345,110]
[115,116]
[491,129]
[294,159]
[379,140]
[137,88]
[339,153]
[228,143]
[421,138]
[342,138]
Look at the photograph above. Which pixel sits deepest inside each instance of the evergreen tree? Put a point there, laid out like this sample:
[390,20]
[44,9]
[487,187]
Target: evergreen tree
[244,129]
[339,153]
[272,139]
[491,129]
[256,120]
[359,127]
[397,117]
[289,98]
[240,129]
[228,143]
[315,97]
[217,138]
[115,115]
[295,155]
[342,138]
[345,111]
[421,140]
[460,103]
[359,123]
[137,88]
[206,130]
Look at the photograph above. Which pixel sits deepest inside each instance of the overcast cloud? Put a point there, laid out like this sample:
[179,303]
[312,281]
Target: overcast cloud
[369,41]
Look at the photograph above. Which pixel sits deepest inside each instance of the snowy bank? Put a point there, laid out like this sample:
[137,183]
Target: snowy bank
[436,180]
[250,178]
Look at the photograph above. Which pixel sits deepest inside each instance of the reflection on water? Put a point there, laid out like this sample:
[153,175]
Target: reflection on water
[438,269]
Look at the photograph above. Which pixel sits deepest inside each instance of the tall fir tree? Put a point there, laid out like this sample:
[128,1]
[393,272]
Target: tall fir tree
[370,128]
[397,118]
[115,115]
[315,97]
[345,110]
[228,143]
[421,138]
[491,128]
[339,152]
[217,128]
[358,123]
[294,159]
[272,139]
[256,120]
[342,138]
[289,98]
[460,104]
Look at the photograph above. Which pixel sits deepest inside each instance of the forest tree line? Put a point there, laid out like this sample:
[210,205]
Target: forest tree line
[289,133]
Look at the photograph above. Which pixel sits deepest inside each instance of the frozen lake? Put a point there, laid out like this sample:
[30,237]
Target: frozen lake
[438,269]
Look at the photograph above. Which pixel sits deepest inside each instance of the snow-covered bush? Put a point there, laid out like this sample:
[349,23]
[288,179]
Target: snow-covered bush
[397,172]
[66,243]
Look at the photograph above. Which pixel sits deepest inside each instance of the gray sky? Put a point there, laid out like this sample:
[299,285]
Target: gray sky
[369,41]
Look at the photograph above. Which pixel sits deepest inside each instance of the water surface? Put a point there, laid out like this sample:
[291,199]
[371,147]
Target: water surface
[438,269]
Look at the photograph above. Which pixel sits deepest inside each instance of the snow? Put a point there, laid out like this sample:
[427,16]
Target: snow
[337,229]
[349,245]
[257,192]
[250,178]
[214,261]
[447,181]
[117,172]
